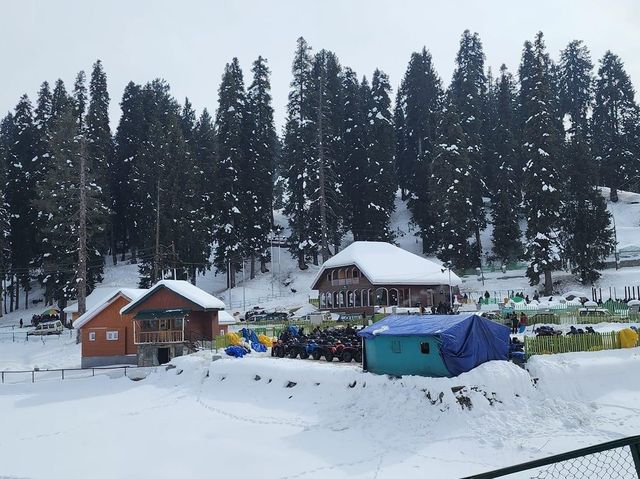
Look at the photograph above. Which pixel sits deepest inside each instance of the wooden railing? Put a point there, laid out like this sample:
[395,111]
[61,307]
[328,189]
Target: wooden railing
[146,337]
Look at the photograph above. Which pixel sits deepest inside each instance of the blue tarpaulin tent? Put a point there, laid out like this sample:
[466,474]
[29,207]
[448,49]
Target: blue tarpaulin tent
[433,345]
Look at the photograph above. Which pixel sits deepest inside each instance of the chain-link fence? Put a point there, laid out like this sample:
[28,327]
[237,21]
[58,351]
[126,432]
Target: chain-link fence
[618,459]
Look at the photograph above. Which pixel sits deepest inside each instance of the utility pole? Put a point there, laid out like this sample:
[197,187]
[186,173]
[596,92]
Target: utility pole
[324,241]
[81,284]
[156,258]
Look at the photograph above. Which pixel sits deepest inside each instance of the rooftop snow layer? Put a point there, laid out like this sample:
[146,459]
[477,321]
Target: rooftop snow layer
[97,296]
[184,289]
[225,318]
[384,263]
[130,293]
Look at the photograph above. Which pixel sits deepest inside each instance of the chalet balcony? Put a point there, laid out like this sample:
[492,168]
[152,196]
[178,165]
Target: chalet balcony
[159,326]
[158,337]
[345,281]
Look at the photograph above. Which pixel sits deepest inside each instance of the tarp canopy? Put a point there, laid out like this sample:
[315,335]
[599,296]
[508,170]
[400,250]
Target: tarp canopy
[466,341]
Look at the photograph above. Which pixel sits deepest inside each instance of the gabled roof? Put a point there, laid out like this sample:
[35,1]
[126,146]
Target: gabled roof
[384,263]
[182,288]
[130,293]
[97,296]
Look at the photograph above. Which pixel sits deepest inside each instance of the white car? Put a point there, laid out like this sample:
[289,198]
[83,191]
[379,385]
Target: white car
[50,327]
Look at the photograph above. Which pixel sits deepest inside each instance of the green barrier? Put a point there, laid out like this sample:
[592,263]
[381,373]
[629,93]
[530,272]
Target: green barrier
[571,343]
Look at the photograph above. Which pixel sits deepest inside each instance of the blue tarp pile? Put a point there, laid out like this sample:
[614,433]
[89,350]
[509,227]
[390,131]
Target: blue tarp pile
[466,341]
[250,336]
[236,351]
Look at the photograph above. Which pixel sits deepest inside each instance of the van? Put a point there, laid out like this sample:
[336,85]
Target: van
[50,327]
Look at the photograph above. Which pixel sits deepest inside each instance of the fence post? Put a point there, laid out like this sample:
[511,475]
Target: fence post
[93,372]
[62,371]
[33,376]
[635,453]
[125,370]
[2,377]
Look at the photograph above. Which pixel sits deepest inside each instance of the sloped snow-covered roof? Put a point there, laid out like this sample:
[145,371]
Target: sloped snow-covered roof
[181,288]
[130,293]
[383,263]
[225,318]
[97,296]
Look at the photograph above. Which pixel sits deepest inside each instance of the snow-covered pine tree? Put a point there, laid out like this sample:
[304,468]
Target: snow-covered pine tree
[586,236]
[502,153]
[6,139]
[324,185]
[60,99]
[187,122]
[542,153]
[99,161]
[20,194]
[379,179]
[576,87]
[258,177]
[467,92]
[354,143]
[231,126]
[206,164]
[42,120]
[80,99]
[615,125]
[129,138]
[451,183]
[402,156]
[297,149]
[422,101]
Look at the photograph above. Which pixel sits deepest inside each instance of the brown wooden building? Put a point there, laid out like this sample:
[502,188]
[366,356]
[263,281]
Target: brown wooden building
[150,328]
[367,274]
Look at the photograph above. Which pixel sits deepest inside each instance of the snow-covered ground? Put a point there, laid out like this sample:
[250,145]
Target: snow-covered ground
[264,417]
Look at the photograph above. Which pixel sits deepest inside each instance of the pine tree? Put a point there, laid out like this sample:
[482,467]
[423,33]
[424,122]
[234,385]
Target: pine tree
[587,237]
[502,152]
[615,125]
[6,140]
[80,99]
[129,139]
[542,153]
[379,178]
[231,133]
[99,162]
[20,194]
[422,102]
[355,140]
[576,89]
[467,93]
[258,177]
[451,183]
[296,154]
[60,100]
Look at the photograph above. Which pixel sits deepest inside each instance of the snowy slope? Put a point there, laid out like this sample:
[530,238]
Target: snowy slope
[270,418]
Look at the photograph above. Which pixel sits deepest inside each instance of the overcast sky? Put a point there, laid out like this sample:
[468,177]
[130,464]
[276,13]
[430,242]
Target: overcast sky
[188,42]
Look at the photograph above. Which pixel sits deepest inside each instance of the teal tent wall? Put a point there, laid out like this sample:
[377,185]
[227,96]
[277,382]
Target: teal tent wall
[402,355]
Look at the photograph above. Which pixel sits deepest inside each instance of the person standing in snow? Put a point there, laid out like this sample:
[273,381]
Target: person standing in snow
[20,322]
[523,320]
[514,323]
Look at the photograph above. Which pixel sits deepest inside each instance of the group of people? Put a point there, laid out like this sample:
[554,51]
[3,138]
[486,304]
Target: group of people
[516,322]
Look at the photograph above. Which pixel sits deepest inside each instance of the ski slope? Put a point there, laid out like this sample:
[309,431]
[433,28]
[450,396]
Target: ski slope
[271,418]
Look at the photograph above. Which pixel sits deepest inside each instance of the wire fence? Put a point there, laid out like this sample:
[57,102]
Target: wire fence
[38,375]
[619,459]
[22,335]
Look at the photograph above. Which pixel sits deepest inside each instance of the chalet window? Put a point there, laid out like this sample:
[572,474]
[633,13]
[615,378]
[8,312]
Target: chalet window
[92,336]
[424,348]
[396,347]
[112,335]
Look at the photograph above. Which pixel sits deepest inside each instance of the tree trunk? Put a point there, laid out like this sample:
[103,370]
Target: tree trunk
[26,298]
[124,244]
[302,265]
[252,268]
[17,297]
[479,244]
[263,265]
[81,284]
[11,296]
[324,235]
[114,250]
[548,283]
[315,257]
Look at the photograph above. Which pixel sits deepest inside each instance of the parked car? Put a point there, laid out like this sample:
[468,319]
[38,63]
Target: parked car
[44,329]
[252,312]
[594,312]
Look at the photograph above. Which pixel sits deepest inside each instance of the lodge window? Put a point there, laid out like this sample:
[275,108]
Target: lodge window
[112,335]
[92,336]
[395,346]
[424,348]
